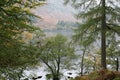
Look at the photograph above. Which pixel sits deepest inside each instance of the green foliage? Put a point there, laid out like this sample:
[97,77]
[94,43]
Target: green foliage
[112,50]
[48,76]
[15,18]
[89,29]
[55,53]
[10,73]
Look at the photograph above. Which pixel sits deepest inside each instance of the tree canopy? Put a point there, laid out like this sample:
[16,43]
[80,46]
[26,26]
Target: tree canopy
[15,18]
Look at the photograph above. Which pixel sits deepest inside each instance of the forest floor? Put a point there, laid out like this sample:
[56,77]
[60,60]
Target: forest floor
[100,75]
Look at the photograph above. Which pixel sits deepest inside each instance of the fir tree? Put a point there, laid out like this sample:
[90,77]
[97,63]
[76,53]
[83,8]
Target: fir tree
[99,17]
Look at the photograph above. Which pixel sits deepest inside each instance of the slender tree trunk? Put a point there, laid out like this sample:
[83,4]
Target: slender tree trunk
[103,36]
[94,66]
[82,62]
[58,65]
[56,76]
[117,64]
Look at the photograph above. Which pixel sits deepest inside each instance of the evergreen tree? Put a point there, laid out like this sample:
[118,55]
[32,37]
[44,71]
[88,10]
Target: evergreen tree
[15,18]
[99,17]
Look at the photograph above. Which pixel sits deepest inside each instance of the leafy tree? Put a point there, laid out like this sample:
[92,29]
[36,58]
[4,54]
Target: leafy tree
[98,16]
[55,53]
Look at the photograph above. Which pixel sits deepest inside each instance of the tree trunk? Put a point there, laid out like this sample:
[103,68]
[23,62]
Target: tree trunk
[103,36]
[56,78]
[117,64]
[82,62]
[94,66]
